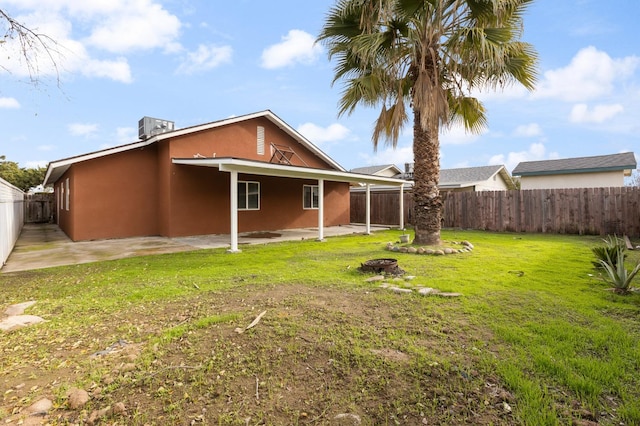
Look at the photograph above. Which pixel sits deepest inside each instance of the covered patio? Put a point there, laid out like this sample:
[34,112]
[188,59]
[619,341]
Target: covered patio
[235,166]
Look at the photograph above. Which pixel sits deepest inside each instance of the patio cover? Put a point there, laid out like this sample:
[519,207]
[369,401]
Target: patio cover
[233,166]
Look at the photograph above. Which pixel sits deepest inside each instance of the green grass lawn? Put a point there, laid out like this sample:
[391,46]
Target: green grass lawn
[536,338]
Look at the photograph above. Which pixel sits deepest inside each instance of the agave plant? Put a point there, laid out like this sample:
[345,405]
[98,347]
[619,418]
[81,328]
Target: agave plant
[610,252]
[617,274]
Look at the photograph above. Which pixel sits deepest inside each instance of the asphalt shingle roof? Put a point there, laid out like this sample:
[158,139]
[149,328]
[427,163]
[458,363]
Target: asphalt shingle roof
[372,170]
[599,163]
[467,174]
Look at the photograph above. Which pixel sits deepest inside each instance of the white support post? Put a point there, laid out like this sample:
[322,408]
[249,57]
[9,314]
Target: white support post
[320,209]
[233,190]
[367,211]
[402,206]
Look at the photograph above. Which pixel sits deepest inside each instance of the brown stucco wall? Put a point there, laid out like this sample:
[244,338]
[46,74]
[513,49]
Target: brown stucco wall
[114,196]
[140,192]
[201,205]
[239,140]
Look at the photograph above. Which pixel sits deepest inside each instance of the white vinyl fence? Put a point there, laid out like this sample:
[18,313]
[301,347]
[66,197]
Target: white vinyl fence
[11,218]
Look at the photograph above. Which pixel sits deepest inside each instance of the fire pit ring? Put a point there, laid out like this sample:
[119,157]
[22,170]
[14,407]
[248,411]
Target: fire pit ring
[387,266]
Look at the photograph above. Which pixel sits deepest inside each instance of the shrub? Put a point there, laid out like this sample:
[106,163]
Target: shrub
[610,253]
[617,274]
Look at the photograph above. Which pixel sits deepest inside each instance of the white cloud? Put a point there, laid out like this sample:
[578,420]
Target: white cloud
[319,135]
[205,58]
[117,70]
[135,25]
[457,135]
[528,130]
[46,147]
[296,47]
[35,164]
[66,55]
[82,129]
[536,151]
[126,135]
[580,113]
[591,74]
[399,155]
[9,103]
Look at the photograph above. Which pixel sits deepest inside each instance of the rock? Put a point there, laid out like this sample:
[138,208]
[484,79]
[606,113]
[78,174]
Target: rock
[395,248]
[410,277]
[40,407]
[421,250]
[438,253]
[77,398]
[400,290]
[448,250]
[467,244]
[97,415]
[375,278]
[425,291]
[18,308]
[119,408]
[412,250]
[446,294]
[403,250]
[429,251]
[347,419]
[506,408]
[17,321]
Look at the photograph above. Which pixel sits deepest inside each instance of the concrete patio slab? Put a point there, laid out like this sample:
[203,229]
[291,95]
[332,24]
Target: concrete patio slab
[45,245]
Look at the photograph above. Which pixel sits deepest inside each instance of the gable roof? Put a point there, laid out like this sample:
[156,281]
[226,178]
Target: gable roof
[599,163]
[455,178]
[57,168]
[376,170]
[471,176]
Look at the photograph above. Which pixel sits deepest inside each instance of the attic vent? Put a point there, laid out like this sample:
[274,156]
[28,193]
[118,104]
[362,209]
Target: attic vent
[148,127]
[260,141]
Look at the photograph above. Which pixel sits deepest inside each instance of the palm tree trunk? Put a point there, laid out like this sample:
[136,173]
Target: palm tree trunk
[426,175]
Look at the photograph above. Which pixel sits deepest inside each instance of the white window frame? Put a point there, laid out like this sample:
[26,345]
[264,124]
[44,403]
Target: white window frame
[314,189]
[247,194]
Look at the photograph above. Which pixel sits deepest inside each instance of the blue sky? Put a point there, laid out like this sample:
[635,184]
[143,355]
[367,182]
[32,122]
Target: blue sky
[196,61]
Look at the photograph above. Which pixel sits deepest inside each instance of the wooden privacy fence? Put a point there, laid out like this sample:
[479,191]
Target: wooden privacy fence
[38,208]
[590,211]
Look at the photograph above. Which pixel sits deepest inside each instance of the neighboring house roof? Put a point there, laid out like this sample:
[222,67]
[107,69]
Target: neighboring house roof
[599,163]
[459,178]
[472,176]
[57,168]
[378,170]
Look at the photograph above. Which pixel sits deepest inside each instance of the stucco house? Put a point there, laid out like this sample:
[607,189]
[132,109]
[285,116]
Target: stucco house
[580,172]
[483,178]
[241,174]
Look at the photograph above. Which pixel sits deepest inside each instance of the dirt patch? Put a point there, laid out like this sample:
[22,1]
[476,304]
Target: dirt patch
[317,355]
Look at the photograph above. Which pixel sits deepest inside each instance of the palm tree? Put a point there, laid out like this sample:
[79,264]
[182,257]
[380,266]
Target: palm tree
[428,55]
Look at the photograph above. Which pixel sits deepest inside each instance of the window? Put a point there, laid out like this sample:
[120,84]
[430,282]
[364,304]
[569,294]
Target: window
[310,196]
[248,195]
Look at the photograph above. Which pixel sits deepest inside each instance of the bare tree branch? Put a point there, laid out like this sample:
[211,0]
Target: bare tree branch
[32,45]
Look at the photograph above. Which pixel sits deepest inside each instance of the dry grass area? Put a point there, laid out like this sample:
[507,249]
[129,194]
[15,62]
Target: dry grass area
[318,356]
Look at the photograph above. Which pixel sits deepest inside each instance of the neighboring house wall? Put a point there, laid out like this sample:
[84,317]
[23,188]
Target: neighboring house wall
[496,183]
[11,218]
[574,180]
